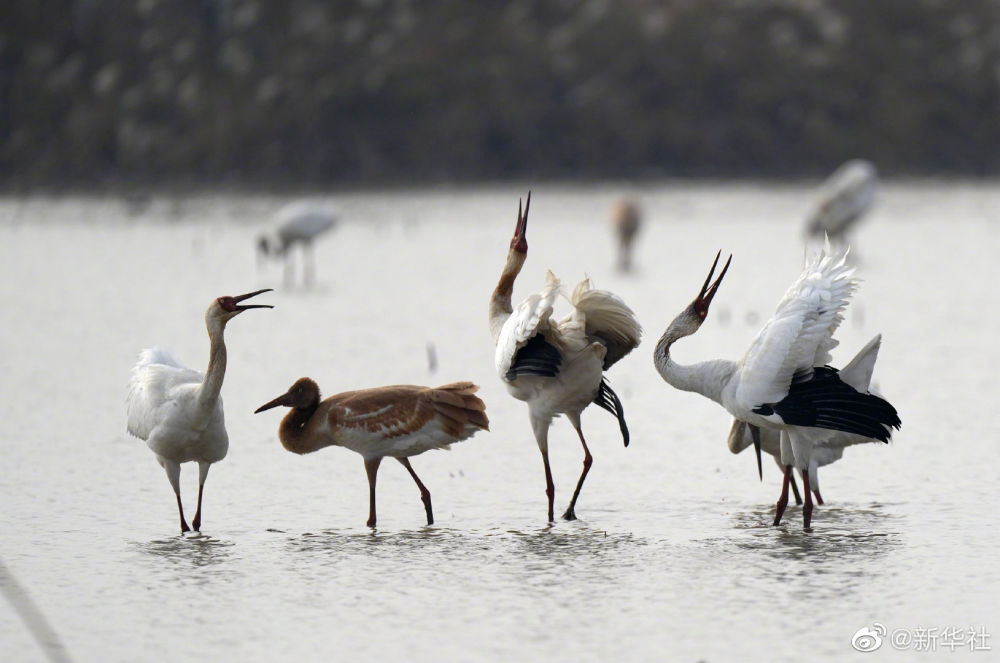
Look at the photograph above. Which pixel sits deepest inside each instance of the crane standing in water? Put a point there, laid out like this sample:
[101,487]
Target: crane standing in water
[397,421]
[557,366]
[178,410]
[783,381]
[298,224]
[829,445]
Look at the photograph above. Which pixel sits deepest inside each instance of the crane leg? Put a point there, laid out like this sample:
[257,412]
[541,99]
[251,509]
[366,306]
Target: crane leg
[371,468]
[779,508]
[202,475]
[196,523]
[173,471]
[807,507]
[425,495]
[180,510]
[550,489]
[795,491]
[588,460]
[819,498]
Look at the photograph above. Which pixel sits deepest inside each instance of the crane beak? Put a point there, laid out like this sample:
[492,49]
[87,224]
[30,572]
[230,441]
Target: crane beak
[240,298]
[520,241]
[704,298]
[280,400]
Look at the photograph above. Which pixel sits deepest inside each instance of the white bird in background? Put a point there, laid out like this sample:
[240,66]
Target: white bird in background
[178,411]
[828,445]
[843,199]
[783,381]
[625,219]
[557,367]
[397,421]
[299,223]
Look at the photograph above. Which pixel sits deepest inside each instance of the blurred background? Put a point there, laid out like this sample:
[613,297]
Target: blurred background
[307,93]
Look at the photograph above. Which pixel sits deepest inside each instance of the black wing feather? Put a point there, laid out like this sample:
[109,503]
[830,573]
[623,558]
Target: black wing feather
[609,400]
[536,357]
[823,400]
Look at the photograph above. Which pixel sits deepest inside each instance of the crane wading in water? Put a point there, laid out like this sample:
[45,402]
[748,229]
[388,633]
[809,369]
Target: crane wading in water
[783,381]
[557,366]
[398,421]
[298,224]
[178,410]
[828,445]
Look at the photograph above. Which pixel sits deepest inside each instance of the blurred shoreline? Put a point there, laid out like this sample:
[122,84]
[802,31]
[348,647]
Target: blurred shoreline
[299,95]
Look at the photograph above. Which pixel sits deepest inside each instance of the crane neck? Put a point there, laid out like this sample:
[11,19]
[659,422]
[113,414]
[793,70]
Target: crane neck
[292,431]
[500,302]
[211,385]
[707,378]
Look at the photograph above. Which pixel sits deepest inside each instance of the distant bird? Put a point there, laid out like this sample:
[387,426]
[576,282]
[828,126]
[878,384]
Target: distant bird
[300,224]
[178,410]
[828,445]
[398,421]
[783,381]
[625,219]
[843,199]
[557,367]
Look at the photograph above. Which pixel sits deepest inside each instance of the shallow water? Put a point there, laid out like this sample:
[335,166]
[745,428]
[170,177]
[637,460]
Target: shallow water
[673,558]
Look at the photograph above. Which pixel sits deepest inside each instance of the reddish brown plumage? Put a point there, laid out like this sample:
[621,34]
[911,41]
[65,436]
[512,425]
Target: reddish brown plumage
[398,421]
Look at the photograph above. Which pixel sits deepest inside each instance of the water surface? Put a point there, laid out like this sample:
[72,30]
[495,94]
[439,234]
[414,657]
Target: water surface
[673,558]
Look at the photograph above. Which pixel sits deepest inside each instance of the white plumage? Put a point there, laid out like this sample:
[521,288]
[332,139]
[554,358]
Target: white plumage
[557,366]
[798,336]
[828,445]
[178,410]
[782,382]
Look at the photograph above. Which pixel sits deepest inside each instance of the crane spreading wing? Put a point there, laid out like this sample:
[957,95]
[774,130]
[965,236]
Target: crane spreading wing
[608,319]
[799,336]
[515,347]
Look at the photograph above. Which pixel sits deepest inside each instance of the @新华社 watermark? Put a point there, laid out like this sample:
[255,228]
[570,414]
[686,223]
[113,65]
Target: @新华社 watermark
[949,638]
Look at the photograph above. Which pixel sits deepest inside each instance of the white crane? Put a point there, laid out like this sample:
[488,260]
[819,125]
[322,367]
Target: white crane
[626,218]
[557,366]
[828,445]
[178,410]
[299,223]
[398,421]
[843,199]
[783,381]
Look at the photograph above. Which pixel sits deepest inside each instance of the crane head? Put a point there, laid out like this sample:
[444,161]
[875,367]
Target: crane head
[230,306]
[520,240]
[704,298]
[303,394]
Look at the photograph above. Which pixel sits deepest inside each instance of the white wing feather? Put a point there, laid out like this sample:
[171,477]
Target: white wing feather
[800,334]
[607,318]
[155,376]
[528,319]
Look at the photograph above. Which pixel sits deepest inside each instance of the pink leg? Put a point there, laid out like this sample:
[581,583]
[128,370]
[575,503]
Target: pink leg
[819,498]
[807,508]
[588,460]
[779,508]
[550,489]
[795,491]
[371,467]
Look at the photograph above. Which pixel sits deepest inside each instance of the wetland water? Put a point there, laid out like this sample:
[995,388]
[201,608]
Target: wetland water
[673,557]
